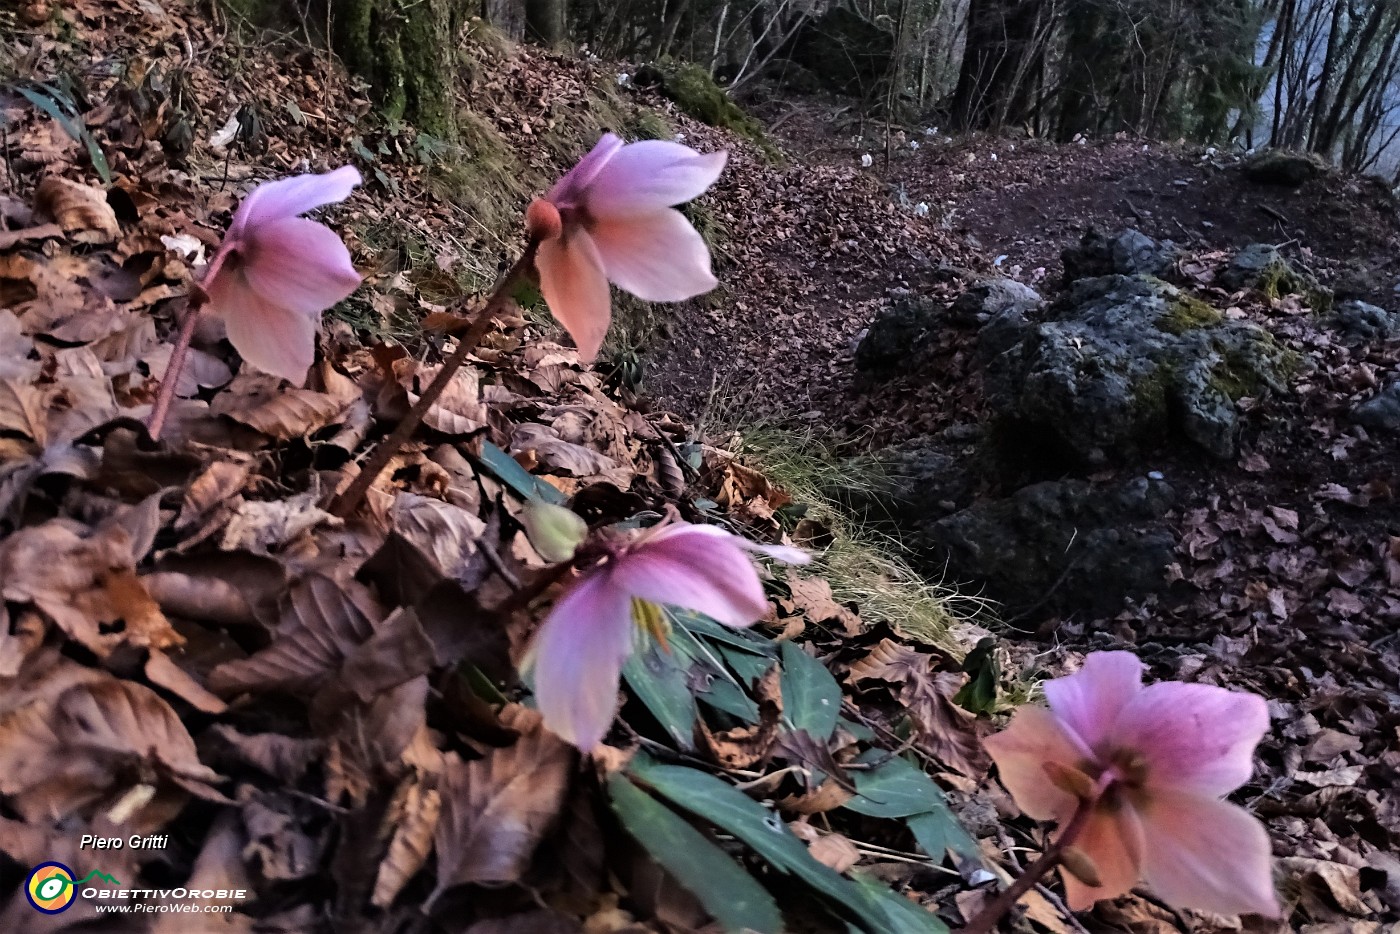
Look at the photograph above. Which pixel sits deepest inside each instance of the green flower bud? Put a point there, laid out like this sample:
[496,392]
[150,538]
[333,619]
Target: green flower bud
[555,532]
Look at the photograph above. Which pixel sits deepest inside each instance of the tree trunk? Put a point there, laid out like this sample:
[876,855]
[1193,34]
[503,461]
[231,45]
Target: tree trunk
[547,21]
[406,50]
[1004,44]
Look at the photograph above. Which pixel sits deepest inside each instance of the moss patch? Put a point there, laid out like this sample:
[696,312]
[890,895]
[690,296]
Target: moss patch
[1186,314]
[697,95]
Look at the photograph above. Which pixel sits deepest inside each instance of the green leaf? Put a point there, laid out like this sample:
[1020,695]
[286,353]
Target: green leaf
[661,680]
[765,833]
[49,103]
[728,892]
[902,914]
[893,788]
[744,639]
[724,695]
[516,477]
[979,695]
[939,830]
[811,696]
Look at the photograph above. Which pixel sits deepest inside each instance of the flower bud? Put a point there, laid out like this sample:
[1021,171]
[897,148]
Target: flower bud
[555,532]
[542,221]
[1078,864]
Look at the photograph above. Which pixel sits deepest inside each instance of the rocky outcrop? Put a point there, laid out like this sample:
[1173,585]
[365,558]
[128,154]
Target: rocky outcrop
[899,331]
[1360,321]
[1123,364]
[992,297]
[1128,253]
[1381,412]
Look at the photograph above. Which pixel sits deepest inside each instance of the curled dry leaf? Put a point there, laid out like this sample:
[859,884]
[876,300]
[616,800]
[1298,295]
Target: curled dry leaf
[414,816]
[85,581]
[555,452]
[265,526]
[445,533]
[81,210]
[496,809]
[945,730]
[745,746]
[259,401]
[89,747]
[459,410]
[324,622]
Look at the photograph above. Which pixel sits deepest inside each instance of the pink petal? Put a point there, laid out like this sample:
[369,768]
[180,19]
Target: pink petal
[290,197]
[781,553]
[577,658]
[1033,738]
[570,191]
[658,257]
[576,290]
[1088,701]
[1208,854]
[1113,839]
[643,177]
[1195,737]
[695,570]
[272,338]
[299,264]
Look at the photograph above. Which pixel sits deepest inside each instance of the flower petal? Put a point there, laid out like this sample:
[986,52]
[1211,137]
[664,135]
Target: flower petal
[577,657]
[1114,840]
[1208,854]
[1088,701]
[643,177]
[575,288]
[658,257]
[781,553]
[299,264]
[1033,738]
[1195,737]
[290,197]
[268,336]
[571,190]
[688,567]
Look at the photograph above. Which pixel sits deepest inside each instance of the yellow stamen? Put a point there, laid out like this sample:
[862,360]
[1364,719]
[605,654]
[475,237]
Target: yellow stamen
[648,617]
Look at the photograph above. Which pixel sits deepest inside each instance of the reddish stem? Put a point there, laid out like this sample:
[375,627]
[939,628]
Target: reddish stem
[347,502]
[987,918]
[166,394]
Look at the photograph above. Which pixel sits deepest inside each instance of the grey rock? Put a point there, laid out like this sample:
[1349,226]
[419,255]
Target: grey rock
[1261,266]
[1125,364]
[1381,412]
[993,297]
[1286,168]
[1361,321]
[1128,253]
[899,331]
[1057,543]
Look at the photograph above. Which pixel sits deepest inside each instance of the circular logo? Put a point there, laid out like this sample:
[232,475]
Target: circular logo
[50,888]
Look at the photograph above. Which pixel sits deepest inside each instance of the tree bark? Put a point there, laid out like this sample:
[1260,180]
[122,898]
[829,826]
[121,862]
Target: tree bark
[406,50]
[547,21]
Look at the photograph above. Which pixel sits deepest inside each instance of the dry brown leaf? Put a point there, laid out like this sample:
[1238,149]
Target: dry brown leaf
[445,533]
[414,816]
[96,744]
[559,454]
[219,866]
[85,581]
[81,210]
[266,526]
[24,407]
[283,757]
[812,595]
[259,401]
[744,746]
[459,410]
[828,848]
[201,370]
[945,730]
[496,809]
[163,672]
[324,623]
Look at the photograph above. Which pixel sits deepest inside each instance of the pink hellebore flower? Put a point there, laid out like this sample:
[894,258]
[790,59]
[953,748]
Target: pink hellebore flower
[276,272]
[1159,758]
[611,219]
[578,652]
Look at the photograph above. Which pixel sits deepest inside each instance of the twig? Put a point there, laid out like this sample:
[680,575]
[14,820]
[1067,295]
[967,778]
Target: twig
[166,394]
[347,502]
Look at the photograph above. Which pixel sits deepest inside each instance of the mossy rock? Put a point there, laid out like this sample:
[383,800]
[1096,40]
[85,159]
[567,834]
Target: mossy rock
[698,96]
[1285,167]
[1261,266]
[1185,313]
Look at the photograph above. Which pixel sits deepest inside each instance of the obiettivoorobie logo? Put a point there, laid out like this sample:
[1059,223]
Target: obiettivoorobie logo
[51,887]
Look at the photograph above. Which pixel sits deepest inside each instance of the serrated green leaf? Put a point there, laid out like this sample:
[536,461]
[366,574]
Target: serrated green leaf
[516,477]
[811,696]
[939,830]
[765,833]
[904,916]
[661,680]
[893,788]
[726,891]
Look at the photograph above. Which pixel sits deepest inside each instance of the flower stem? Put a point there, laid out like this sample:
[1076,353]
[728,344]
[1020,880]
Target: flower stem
[166,394]
[347,502]
[987,918]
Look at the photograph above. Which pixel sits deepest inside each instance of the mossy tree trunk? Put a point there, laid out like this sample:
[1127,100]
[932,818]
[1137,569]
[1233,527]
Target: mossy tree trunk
[406,50]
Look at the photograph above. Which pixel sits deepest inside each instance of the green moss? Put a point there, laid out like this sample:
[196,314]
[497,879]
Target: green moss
[1243,373]
[487,179]
[648,124]
[1150,393]
[1186,314]
[697,95]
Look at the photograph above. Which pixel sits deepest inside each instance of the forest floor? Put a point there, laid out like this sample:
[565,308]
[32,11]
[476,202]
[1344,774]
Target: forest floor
[290,696]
